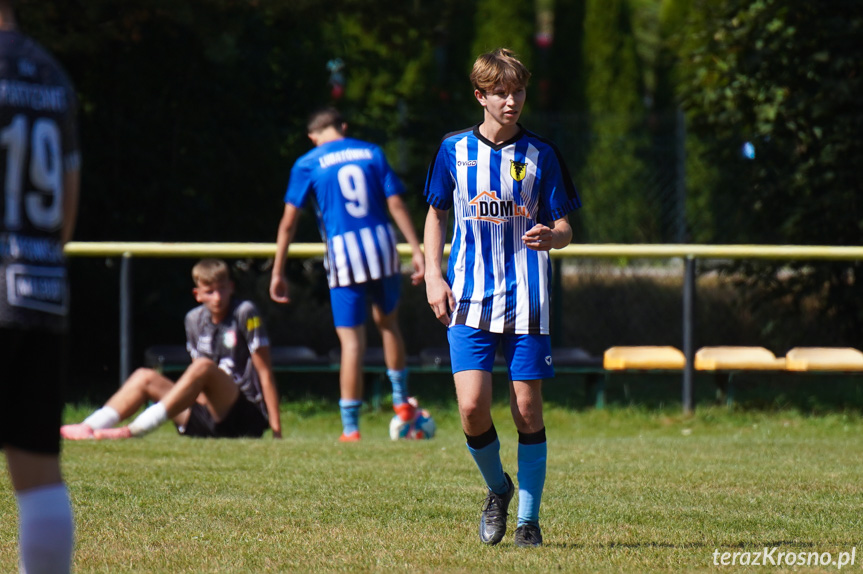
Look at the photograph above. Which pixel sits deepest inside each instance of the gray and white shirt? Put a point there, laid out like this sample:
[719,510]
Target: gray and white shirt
[230,344]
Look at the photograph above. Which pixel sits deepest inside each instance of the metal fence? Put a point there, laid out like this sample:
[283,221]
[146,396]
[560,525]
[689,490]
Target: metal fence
[686,296]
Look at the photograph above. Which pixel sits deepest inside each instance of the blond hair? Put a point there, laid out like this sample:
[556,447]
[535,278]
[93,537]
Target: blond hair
[210,271]
[499,67]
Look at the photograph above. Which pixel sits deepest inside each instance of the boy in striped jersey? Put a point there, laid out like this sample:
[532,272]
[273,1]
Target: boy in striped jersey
[353,187]
[510,193]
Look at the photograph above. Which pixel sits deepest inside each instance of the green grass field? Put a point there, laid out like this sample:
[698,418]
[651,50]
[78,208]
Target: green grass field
[628,490]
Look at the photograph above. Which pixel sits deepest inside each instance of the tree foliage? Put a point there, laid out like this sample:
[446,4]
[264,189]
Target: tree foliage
[193,112]
[184,114]
[617,210]
[785,77]
[505,24]
[771,90]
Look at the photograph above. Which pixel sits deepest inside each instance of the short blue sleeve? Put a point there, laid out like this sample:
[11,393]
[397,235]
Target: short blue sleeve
[558,195]
[300,184]
[392,183]
[440,182]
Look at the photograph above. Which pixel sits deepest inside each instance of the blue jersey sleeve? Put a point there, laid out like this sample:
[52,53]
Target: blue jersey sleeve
[391,182]
[300,184]
[439,182]
[558,195]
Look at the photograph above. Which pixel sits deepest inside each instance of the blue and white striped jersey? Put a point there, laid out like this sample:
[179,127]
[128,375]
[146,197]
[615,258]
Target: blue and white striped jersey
[497,193]
[350,181]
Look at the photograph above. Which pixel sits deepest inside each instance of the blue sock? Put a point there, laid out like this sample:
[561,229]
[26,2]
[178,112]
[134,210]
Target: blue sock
[487,460]
[399,380]
[531,480]
[350,409]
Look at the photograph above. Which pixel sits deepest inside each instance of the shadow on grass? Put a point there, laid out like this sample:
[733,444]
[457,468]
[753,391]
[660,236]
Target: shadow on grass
[687,545]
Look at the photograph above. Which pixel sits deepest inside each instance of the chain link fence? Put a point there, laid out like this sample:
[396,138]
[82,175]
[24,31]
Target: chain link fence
[662,190]
[656,197]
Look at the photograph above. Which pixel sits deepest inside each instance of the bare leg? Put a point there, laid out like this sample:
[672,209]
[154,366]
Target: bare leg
[525,402]
[31,469]
[202,382]
[144,385]
[205,382]
[473,390]
[395,360]
[391,336]
[353,343]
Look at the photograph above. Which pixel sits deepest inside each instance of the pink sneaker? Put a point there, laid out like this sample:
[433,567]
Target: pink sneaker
[352,437]
[114,433]
[78,431]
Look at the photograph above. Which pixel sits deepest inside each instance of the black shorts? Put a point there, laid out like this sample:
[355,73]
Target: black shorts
[243,420]
[31,408]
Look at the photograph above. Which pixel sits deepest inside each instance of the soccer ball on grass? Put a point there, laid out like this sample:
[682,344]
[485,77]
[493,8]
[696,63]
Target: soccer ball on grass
[422,427]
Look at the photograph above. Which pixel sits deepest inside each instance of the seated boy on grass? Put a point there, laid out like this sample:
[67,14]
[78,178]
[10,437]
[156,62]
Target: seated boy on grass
[228,390]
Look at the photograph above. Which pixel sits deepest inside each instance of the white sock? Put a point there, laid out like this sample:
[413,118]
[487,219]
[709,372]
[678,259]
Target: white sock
[46,530]
[149,420]
[104,418]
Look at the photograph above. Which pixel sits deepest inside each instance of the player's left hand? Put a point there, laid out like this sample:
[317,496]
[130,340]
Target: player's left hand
[419,263]
[538,238]
[279,289]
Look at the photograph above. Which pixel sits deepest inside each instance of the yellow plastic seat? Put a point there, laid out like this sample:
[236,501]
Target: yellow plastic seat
[642,358]
[729,358]
[824,359]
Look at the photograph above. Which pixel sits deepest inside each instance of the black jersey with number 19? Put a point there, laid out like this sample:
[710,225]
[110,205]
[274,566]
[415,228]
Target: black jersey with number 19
[38,145]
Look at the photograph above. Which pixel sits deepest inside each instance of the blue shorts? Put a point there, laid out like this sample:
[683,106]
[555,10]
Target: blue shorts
[349,303]
[528,357]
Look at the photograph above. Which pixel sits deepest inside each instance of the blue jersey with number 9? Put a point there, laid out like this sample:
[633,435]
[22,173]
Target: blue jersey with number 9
[349,182]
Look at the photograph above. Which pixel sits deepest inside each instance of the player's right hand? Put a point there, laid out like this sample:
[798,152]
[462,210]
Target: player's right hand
[441,299]
[279,291]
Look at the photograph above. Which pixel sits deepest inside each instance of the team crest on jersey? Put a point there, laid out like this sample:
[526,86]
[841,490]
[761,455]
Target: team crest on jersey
[487,206]
[229,339]
[517,170]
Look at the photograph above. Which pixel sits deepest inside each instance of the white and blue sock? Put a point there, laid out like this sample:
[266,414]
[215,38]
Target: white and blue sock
[532,455]
[46,529]
[399,381]
[350,409]
[485,450]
